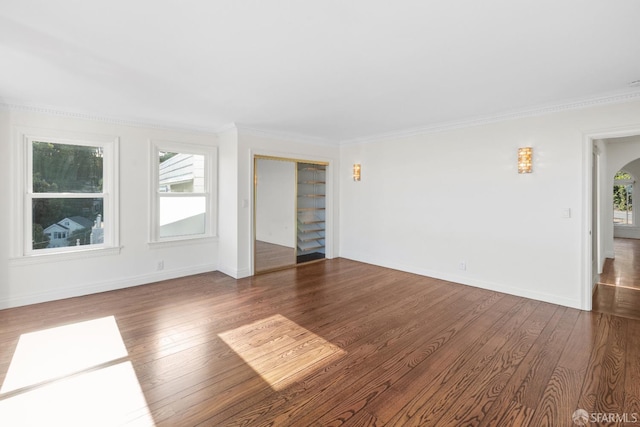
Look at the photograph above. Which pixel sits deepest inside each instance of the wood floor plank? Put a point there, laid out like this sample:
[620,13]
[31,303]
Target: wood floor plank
[437,378]
[598,353]
[632,370]
[475,386]
[610,394]
[524,389]
[560,397]
[344,343]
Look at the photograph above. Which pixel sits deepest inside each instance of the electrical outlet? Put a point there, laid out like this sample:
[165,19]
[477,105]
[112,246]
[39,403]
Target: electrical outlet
[160,265]
[462,265]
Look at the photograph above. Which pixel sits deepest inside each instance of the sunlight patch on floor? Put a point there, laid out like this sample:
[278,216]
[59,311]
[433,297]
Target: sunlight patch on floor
[73,375]
[53,353]
[107,397]
[279,350]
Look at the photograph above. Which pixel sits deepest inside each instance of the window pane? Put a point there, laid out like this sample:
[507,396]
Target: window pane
[64,168]
[623,204]
[182,216]
[67,222]
[181,173]
[622,176]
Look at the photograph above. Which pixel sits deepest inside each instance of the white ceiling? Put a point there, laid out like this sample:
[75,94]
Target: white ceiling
[329,69]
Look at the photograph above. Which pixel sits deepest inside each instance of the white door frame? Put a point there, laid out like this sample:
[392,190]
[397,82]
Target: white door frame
[588,206]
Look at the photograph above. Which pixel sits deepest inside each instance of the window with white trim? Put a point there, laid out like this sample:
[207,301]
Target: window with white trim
[182,183]
[69,203]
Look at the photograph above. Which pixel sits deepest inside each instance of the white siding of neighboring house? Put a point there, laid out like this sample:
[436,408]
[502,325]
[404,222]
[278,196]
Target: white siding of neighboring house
[182,173]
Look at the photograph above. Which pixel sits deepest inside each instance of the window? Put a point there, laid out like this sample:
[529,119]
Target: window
[623,198]
[181,192]
[68,198]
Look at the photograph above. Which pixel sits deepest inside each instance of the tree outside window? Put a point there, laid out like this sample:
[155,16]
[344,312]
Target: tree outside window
[623,183]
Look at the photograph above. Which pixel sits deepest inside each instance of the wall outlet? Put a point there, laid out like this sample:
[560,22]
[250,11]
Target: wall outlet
[462,265]
[160,265]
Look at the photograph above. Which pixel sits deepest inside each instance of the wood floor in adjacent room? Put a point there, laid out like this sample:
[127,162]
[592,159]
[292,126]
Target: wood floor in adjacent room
[618,291]
[326,344]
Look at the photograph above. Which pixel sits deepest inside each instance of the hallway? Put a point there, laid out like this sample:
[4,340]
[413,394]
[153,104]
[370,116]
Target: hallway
[618,291]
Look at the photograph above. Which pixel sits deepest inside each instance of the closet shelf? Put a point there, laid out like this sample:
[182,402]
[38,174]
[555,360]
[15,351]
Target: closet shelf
[307,246]
[310,227]
[308,236]
[315,223]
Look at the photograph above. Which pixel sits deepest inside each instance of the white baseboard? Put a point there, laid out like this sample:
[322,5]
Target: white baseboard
[97,287]
[525,293]
[234,272]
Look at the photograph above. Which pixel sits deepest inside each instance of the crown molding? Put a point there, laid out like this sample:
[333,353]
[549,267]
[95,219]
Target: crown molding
[229,127]
[60,112]
[616,98]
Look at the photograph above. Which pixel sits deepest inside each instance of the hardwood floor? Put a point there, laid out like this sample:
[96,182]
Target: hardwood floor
[625,269]
[618,292]
[273,257]
[326,344]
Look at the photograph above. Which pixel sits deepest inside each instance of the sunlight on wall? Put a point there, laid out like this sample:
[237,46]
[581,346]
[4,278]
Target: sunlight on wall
[279,350]
[73,375]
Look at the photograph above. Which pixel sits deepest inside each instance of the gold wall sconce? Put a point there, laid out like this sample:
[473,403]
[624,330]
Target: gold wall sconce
[356,171]
[525,160]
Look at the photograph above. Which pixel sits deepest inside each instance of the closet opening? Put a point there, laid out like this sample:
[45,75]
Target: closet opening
[289,212]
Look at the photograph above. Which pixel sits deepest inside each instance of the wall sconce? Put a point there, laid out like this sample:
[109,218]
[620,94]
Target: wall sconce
[525,160]
[356,171]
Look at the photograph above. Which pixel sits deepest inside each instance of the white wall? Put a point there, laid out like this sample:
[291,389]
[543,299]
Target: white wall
[28,281]
[275,200]
[429,202]
[228,202]
[5,208]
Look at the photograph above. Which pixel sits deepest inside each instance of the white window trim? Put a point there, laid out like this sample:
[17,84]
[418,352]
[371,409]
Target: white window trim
[23,251]
[210,174]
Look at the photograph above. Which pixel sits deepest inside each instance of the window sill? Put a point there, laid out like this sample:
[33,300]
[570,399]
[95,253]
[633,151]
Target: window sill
[182,242]
[64,256]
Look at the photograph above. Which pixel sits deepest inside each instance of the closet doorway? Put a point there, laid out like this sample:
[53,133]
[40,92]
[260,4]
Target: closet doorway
[289,212]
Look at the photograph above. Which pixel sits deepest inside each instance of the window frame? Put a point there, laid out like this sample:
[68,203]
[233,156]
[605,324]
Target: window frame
[109,194]
[210,161]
